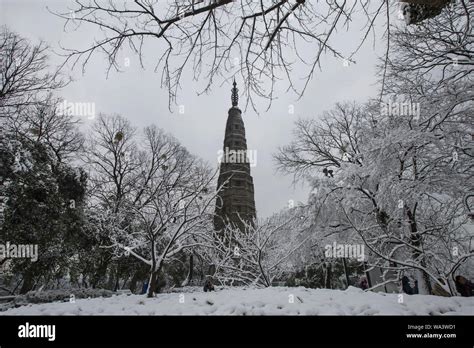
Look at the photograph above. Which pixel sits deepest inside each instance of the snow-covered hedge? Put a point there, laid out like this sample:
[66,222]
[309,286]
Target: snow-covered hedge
[61,295]
[183,289]
[48,296]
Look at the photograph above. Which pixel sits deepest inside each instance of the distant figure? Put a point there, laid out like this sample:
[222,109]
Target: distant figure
[144,287]
[407,288]
[464,286]
[363,284]
[208,285]
[438,290]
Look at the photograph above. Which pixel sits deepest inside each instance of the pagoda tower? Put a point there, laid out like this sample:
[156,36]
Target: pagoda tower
[236,197]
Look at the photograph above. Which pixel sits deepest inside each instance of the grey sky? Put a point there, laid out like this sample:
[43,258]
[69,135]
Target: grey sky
[136,94]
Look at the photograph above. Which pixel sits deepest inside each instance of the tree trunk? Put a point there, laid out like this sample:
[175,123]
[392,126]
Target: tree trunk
[152,284]
[153,280]
[133,283]
[344,264]
[189,276]
[424,283]
[191,267]
[327,280]
[27,285]
[117,278]
[100,272]
[367,275]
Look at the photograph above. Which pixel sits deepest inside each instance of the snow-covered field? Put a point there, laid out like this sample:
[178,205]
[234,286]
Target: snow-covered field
[248,301]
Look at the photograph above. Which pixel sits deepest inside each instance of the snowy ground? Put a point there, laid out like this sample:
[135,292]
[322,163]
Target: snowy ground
[248,301]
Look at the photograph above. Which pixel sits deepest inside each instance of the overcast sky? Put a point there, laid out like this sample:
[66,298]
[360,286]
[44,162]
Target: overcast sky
[136,94]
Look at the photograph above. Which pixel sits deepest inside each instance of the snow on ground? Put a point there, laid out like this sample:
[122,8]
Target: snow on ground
[250,301]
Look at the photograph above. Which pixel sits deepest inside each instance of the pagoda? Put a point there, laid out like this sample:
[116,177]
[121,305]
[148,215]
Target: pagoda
[235,202]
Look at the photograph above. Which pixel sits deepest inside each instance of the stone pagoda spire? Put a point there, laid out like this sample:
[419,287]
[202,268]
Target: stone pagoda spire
[237,195]
[235,95]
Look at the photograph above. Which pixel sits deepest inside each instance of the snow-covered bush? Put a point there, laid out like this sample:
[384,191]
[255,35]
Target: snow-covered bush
[61,295]
[57,295]
[262,252]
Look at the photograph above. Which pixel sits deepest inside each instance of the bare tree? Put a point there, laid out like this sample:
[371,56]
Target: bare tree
[260,40]
[41,122]
[394,184]
[24,72]
[172,222]
[113,159]
[261,252]
[156,198]
[325,144]
[441,49]
[407,204]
